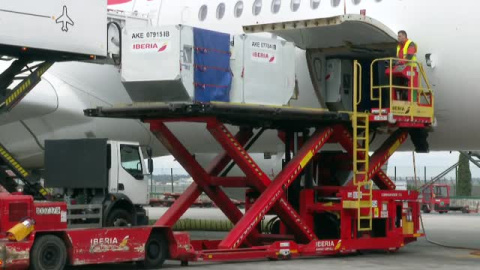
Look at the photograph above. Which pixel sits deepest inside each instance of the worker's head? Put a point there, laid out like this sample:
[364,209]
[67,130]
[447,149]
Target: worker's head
[402,36]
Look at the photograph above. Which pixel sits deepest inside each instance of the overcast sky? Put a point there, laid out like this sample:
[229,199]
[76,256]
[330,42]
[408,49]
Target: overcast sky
[435,162]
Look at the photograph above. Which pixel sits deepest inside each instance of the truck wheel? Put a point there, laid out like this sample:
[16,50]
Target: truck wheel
[156,251]
[426,210]
[48,252]
[119,218]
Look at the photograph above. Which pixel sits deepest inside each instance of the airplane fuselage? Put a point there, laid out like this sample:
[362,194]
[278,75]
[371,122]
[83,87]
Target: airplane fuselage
[445,29]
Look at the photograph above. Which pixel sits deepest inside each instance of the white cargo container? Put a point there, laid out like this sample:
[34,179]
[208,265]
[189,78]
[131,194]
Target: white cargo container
[158,66]
[157,63]
[70,26]
[263,70]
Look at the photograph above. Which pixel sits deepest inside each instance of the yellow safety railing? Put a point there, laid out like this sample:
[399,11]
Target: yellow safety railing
[421,102]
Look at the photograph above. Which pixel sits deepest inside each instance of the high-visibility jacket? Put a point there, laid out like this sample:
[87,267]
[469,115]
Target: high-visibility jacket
[405,52]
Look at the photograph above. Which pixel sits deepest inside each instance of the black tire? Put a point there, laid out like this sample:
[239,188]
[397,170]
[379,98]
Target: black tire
[425,210]
[119,218]
[48,253]
[156,251]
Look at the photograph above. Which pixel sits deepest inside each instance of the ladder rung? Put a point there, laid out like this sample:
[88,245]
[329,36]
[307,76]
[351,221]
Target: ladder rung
[361,138]
[363,184]
[365,201]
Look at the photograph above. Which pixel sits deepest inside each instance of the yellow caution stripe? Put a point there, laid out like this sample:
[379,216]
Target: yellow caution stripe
[24,86]
[13,162]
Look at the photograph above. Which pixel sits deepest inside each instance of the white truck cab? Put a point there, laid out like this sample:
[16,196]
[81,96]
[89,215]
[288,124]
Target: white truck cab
[128,173]
[110,176]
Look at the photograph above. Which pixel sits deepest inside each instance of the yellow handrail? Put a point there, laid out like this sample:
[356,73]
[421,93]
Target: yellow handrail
[359,84]
[421,91]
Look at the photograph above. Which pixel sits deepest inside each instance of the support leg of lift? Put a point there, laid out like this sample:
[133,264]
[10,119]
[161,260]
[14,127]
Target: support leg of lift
[272,192]
[378,159]
[382,154]
[200,176]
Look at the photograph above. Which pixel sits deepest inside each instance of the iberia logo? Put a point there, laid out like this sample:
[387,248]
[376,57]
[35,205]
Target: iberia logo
[264,57]
[108,244]
[150,47]
[163,47]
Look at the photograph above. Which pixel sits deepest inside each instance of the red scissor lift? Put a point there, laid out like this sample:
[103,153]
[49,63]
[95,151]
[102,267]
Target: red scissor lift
[317,215]
[393,215]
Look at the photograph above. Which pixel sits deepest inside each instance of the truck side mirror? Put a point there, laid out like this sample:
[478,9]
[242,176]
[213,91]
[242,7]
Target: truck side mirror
[150,165]
[149,152]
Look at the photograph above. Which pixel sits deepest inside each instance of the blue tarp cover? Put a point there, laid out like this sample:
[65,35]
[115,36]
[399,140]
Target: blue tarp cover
[213,77]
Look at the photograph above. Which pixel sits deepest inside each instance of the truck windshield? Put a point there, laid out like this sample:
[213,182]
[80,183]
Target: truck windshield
[131,160]
[441,191]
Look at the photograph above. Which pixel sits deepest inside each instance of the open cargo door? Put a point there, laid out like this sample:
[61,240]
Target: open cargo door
[353,34]
[340,37]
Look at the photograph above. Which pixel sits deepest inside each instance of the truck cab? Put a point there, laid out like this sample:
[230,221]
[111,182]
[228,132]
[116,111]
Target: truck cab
[127,174]
[103,179]
[436,197]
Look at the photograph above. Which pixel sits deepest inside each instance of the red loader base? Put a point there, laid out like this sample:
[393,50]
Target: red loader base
[318,217]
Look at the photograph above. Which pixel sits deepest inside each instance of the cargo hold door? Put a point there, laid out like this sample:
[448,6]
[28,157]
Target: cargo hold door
[341,37]
[349,33]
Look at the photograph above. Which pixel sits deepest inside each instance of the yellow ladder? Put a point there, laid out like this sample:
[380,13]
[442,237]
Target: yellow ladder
[365,203]
[361,145]
[360,168]
[361,127]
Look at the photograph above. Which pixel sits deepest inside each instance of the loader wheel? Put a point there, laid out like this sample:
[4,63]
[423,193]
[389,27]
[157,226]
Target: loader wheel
[48,253]
[156,251]
[119,218]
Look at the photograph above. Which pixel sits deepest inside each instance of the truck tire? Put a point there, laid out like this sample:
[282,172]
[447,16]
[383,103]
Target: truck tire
[426,210]
[156,251]
[48,253]
[119,218]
